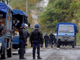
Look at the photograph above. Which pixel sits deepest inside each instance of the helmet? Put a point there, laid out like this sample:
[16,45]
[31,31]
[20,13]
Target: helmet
[23,24]
[46,33]
[51,32]
[26,25]
[36,26]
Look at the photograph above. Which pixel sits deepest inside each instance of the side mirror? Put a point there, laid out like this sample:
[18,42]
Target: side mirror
[76,31]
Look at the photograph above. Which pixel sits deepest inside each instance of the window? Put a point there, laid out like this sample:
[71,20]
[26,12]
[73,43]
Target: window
[66,28]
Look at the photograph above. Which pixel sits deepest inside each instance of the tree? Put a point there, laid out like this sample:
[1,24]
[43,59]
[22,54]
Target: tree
[2,0]
[18,4]
[57,12]
[5,1]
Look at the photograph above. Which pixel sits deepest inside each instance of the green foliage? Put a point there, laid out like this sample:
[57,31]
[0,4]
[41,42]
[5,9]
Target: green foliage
[21,4]
[2,0]
[51,1]
[78,37]
[18,4]
[57,12]
[5,1]
[60,11]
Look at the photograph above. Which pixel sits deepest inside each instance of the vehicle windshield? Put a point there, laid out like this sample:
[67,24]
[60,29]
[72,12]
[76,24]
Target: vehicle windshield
[66,28]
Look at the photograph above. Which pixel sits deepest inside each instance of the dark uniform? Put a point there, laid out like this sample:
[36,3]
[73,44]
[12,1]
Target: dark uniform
[52,38]
[36,39]
[23,34]
[55,38]
[46,37]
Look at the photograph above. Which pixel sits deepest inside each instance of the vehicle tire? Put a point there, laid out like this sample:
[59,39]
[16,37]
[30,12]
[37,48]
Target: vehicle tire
[1,50]
[58,44]
[9,52]
[3,56]
[73,45]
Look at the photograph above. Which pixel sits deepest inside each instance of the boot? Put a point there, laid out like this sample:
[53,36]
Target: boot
[22,56]
[38,57]
[33,57]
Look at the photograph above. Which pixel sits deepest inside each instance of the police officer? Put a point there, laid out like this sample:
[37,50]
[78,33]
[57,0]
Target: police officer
[23,34]
[36,39]
[46,37]
[52,37]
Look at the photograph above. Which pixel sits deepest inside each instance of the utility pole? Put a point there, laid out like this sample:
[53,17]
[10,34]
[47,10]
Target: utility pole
[7,1]
[27,6]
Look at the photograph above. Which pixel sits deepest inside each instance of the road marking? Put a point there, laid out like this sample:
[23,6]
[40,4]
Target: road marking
[63,58]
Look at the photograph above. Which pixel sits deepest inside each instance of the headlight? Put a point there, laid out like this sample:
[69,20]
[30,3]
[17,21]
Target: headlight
[71,37]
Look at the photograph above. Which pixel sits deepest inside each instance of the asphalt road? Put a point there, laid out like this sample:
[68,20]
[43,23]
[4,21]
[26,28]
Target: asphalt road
[64,53]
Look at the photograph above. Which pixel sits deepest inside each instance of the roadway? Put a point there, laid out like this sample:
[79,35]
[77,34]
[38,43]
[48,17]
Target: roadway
[64,53]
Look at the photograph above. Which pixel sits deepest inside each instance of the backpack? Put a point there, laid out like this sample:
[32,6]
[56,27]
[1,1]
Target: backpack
[36,35]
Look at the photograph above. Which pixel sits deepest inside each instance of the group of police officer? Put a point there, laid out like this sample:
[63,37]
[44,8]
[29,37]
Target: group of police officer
[36,39]
[49,39]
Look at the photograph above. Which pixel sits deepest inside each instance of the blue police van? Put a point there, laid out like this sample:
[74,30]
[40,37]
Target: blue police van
[19,17]
[6,13]
[66,34]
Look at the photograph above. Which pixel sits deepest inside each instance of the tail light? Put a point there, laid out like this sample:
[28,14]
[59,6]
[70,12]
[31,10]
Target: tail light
[5,31]
[5,40]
